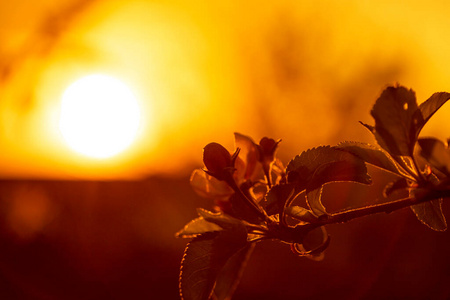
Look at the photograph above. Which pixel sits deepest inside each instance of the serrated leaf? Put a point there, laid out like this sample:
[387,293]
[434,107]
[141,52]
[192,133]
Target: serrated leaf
[432,104]
[308,161]
[398,120]
[203,260]
[231,273]
[345,170]
[318,166]
[325,164]
[371,155]
[436,153]
[314,200]
[300,213]
[430,214]
[196,227]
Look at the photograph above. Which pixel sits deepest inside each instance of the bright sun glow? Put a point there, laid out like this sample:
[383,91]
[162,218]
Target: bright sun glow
[99,116]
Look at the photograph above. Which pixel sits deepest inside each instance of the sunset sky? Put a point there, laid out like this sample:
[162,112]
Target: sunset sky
[303,71]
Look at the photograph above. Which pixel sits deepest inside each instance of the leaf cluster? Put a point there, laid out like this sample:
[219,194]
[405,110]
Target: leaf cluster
[255,195]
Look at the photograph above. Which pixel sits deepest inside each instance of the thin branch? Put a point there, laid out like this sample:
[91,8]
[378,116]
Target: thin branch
[250,203]
[388,207]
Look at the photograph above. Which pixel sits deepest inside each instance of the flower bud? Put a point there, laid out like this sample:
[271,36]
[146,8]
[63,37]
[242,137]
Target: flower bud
[267,149]
[218,161]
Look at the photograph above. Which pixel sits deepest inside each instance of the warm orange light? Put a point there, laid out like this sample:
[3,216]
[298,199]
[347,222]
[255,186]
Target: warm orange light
[99,116]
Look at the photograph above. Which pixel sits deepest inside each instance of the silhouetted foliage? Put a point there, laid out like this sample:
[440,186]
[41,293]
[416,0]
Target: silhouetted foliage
[254,193]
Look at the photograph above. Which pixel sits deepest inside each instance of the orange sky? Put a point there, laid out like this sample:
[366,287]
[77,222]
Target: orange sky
[303,71]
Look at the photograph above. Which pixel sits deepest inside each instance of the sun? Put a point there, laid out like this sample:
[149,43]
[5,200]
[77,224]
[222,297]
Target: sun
[100,116]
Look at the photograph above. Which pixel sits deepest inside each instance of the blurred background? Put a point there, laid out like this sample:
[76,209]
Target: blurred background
[73,226]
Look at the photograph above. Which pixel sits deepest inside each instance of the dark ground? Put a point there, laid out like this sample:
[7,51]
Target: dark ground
[115,240]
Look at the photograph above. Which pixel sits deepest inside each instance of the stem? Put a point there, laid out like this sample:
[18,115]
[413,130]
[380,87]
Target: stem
[268,179]
[289,200]
[421,176]
[250,203]
[388,207]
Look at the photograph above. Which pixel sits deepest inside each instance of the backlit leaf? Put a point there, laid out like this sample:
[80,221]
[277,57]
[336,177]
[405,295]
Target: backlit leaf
[241,209]
[318,166]
[371,155]
[432,104]
[196,227]
[398,120]
[436,153]
[314,200]
[222,220]
[209,187]
[300,213]
[430,214]
[315,239]
[314,244]
[203,260]
[276,198]
[325,164]
[399,184]
[231,273]
[344,170]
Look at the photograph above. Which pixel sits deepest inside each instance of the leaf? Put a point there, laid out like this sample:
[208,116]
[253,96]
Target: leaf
[209,222]
[313,245]
[371,155]
[318,166]
[430,214]
[325,164]
[399,184]
[345,170]
[300,213]
[204,258]
[223,220]
[209,187]
[313,198]
[436,153]
[398,120]
[231,273]
[432,104]
[276,198]
[315,239]
[243,210]
[196,227]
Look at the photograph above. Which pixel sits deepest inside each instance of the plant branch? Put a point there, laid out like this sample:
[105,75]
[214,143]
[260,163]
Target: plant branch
[252,205]
[387,207]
